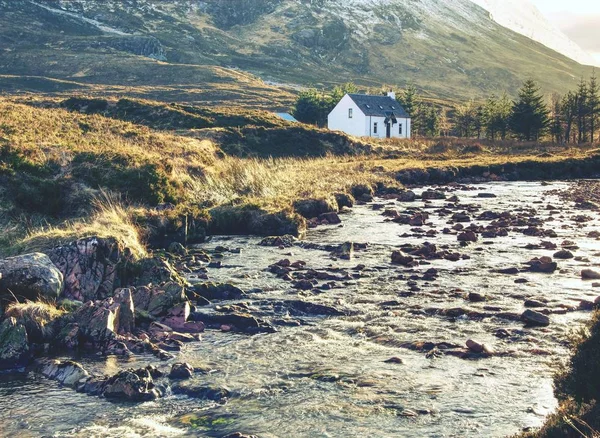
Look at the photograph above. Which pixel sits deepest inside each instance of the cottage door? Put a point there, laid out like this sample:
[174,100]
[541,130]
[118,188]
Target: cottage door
[388,130]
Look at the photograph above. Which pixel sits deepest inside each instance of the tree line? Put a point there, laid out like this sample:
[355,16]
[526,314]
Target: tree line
[572,118]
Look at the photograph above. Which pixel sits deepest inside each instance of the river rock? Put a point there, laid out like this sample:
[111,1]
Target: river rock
[97,322]
[131,385]
[543,265]
[14,344]
[89,267]
[286,241]
[344,200]
[212,291]
[486,195]
[198,390]
[298,307]
[30,276]
[331,218]
[467,236]
[533,318]
[68,373]
[433,194]
[564,255]
[476,297]
[181,371]
[157,301]
[588,274]
[400,259]
[407,196]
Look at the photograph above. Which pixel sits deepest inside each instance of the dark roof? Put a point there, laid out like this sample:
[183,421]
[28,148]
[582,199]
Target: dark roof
[379,106]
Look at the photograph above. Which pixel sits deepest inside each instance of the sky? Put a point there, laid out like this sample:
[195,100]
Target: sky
[578,19]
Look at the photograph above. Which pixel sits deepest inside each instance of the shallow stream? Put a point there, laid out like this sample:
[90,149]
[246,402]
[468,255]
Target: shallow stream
[320,376]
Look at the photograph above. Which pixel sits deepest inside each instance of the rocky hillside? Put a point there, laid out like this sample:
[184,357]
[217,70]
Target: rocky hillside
[451,49]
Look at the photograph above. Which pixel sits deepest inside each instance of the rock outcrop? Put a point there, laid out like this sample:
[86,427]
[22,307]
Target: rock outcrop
[90,267]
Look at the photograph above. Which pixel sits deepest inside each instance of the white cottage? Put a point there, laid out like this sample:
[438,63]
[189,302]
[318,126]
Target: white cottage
[363,115]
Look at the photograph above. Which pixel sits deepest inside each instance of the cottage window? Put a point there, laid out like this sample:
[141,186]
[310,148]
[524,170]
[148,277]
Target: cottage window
[400,128]
[349,113]
[375,128]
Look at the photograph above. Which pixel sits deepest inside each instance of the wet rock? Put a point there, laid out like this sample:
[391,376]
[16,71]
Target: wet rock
[534,304]
[543,265]
[303,285]
[14,345]
[563,254]
[433,194]
[468,236]
[400,259]
[298,307]
[286,241]
[239,321]
[212,291]
[239,435]
[474,346]
[508,271]
[89,267]
[131,385]
[486,195]
[331,218]
[30,276]
[407,196]
[476,297]
[396,360]
[68,373]
[587,305]
[533,318]
[588,274]
[181,371]
[345,251]
[202,391]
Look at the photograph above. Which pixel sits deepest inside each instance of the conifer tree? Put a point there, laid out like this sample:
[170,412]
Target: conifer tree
[593,104]
[529,118]
[582,111]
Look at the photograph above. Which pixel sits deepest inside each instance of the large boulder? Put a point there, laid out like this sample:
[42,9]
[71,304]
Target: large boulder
[30,276]
[14,345]
[90,267]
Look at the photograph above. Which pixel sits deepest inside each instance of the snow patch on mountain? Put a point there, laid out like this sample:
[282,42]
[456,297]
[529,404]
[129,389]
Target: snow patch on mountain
[523,17]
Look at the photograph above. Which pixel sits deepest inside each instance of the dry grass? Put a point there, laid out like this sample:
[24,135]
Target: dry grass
[110,219]
[55,135]
[274,184]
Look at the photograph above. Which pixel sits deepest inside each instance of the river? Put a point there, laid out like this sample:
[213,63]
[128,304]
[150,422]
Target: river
[320,376]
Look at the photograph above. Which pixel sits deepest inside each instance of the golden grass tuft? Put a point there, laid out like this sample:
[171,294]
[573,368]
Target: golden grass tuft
[111,219]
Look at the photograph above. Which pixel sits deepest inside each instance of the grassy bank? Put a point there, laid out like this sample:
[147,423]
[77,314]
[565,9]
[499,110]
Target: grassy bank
[76,167]
[577,386]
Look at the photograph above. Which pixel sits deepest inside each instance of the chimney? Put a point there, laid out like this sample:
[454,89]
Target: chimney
[392,94]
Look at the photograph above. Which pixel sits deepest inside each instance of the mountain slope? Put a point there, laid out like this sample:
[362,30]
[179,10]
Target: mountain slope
[524,18]
[450,48]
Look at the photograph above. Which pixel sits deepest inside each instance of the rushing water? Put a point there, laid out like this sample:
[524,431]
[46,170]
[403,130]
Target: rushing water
[328,377]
